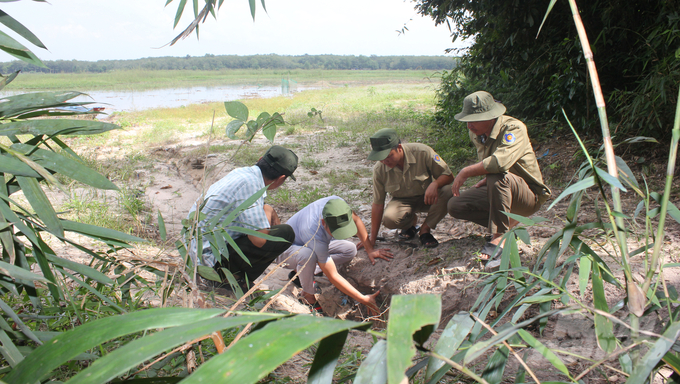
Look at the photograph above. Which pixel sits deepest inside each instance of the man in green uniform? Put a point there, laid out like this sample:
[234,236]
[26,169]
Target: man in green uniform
[513,181]
[413,174]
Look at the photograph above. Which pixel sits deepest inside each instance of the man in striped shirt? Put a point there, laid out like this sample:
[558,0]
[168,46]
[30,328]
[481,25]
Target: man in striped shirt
[229,193]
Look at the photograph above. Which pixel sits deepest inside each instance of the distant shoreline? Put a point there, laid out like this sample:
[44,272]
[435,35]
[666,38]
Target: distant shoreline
[157,79]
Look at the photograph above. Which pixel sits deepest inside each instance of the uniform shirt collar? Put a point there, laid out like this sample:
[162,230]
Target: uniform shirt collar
[497,127]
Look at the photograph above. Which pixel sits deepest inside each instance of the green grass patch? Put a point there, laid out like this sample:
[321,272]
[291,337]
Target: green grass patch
[153,79]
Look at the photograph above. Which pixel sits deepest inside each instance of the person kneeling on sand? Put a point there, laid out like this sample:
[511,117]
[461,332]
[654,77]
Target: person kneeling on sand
[320,232]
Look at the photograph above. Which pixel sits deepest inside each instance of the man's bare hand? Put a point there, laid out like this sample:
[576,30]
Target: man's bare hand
[481,183]
[370,302]
[457,183]
[271,215]
[383,253]
[432,194]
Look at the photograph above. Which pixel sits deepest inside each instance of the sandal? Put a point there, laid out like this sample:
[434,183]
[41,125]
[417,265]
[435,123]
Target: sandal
[314,308]
[408,234]
[490,249]
[428,241]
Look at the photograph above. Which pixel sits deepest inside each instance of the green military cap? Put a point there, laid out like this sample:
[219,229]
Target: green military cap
[480,106]
[382,143]
[282,160]
[338,216]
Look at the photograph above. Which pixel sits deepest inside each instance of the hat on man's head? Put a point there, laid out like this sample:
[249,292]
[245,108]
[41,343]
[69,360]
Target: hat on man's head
[480,106]
[283,160]
[382,143]
[338,216]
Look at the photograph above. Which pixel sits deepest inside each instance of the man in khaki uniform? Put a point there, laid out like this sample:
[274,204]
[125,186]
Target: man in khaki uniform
[413,174]
[513,181]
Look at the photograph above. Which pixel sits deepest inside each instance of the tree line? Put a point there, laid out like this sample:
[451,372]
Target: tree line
[215,62]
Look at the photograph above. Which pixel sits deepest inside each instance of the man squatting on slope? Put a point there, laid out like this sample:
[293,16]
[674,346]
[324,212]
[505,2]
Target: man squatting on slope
[513,181]
[320,232]
[415,176]
[271,170]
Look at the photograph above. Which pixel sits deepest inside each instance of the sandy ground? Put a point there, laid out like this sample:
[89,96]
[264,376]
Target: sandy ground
[176,179]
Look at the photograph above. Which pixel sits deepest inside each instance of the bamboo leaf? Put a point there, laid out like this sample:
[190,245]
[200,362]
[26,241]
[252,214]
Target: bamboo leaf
[19,273]
[94,291]
[99,233]
[17,50]
[626,174]
[237,110]
[408,314]
[543,350]
[9,164]
[135,352]
[83,270]
[373,370]
[271,346]
[23,103]
[609,179]
[452,336]
[52,127]
[252,7]
[41,204]
[479,348]
[161,226]
[180,10]
[69,344]
[66,166]
[644,367]
[539,299]
[580,186]
[584,274]
[550,7]
[493,371]
[326,358]
[604,328]
[19,28]
[23,327]
[208,273]
[9,351]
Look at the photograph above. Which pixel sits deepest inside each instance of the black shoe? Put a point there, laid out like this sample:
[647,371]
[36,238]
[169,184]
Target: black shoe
[296,281]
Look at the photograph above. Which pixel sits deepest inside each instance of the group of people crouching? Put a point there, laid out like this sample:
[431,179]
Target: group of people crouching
[413,174]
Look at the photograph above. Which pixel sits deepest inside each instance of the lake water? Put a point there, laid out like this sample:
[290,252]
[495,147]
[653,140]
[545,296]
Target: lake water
[115,101]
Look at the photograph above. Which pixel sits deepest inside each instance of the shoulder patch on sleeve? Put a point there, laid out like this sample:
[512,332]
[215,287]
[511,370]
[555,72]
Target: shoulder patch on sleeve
[509,138]
[437,158]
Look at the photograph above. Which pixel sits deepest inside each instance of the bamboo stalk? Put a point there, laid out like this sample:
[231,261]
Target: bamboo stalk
[636,299]
[664,200]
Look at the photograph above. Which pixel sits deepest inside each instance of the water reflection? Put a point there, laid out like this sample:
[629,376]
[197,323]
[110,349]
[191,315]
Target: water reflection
[115,101]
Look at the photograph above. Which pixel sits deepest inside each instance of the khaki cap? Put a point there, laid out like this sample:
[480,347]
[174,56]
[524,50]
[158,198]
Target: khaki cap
[338,216]
[382,143]
[480,106]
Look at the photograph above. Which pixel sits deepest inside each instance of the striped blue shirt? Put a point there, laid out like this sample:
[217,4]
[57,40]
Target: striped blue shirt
[236,187]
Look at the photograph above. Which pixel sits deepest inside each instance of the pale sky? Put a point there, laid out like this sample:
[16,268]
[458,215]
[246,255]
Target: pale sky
[130,29]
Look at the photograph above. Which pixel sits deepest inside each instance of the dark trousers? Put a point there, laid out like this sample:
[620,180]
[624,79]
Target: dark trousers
[503,192]
[259,258]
